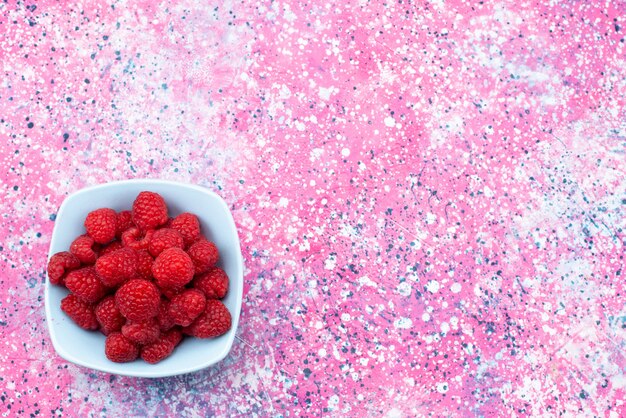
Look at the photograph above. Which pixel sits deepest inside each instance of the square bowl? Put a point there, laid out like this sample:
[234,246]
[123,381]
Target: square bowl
[86,348]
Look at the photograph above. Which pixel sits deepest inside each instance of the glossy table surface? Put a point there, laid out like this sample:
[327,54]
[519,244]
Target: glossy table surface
[430,196]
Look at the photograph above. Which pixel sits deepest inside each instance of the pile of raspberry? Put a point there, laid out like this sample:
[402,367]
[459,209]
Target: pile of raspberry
[143,279]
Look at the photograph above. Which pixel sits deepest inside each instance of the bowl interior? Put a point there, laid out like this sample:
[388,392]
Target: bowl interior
[87,348]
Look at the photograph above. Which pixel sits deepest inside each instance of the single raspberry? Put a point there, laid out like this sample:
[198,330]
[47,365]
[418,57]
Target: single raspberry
[172,268]
[124,220]
[163,239]
[142,333]
[116,267]
[101,225]
[149,211]
[144,265]
[161,349]
[174,336]
[188,226]
[138,300]
[60,264]
[165,320]
[109,316]
[204,255]
[85,284]
[213,322]
[213,283]
[81,312]
[136,239]
[120,349]
[109,248]
[83,248]
[187,306]
[170,292]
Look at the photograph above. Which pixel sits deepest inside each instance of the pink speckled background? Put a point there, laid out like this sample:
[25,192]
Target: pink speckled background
[431,197]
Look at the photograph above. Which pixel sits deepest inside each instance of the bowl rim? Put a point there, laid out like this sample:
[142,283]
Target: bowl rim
[58,347]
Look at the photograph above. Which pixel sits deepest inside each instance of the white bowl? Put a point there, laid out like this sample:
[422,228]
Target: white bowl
[86,348]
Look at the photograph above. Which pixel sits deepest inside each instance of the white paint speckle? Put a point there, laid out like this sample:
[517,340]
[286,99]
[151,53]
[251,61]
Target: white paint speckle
[403,323]
[345,152]
[442,387]
[325,93]
[404,289]
[330,262]
[390,122]
[425,317]
[432,286]
[455,288]
[445,327]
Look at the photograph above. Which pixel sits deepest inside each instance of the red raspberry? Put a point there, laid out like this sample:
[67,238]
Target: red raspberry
[174,336]
[213,283]
[138,300]
[163,239]
[164,318]
[213,322]
[124,220]
[172,268]
[144,265]
[109,316]
[142,333]
[137,240]
[80,312]
[109,248]
[59,265]
[117,267]
[161,349]
[85,284]
[186,307]
[101,225]
[204,255]
[83,248]
[120,349]
[188,226]
[149,211]
[170,292]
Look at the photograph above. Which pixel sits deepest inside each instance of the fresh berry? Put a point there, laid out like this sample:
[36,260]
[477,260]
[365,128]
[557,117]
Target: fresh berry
[120,349]
[59,265]
[204,255]
[161,349]
[174,336]
[81,312]
[109,248]
[164,318]
[213,283]
[124,220]
[101,225]
[171,292]
[85,284]
[188,226]
[109,316]
[163,239]
[213,322]
[149,211]
[83,248]
[142,333]
[138,300]
[117,267]
[144,265]
[172,268]
[187,306]
[136,239]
